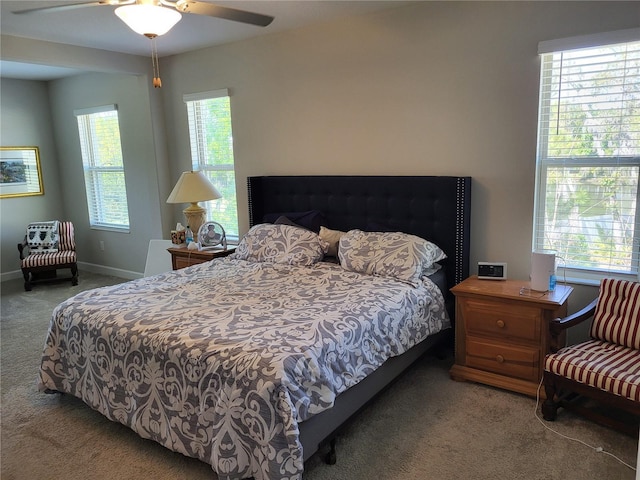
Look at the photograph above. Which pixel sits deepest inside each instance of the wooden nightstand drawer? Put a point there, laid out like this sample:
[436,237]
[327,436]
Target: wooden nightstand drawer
[183,262]
[181,257]
[502,335]
[502,319]
[513,360]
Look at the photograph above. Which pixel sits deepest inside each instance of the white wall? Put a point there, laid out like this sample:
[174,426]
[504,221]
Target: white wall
[25,120]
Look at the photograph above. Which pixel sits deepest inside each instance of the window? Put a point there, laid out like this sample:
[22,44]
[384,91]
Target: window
[103,167]
[588,160]
[212,153]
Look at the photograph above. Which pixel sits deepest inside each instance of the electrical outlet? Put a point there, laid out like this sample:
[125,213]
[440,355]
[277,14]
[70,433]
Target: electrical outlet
[102,245]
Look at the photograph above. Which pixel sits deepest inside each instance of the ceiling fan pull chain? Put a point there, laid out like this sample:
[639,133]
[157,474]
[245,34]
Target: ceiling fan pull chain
[157,83]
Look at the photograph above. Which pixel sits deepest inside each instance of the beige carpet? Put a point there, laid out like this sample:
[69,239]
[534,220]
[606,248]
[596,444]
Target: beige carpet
[426,427]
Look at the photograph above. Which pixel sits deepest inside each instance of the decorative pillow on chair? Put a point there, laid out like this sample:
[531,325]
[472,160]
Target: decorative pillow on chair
[43,237]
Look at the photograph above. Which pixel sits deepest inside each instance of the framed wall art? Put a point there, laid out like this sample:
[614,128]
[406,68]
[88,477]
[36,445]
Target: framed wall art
[20,173]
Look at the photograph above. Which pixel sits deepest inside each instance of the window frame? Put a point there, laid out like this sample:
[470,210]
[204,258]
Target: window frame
[93,171]
[545,162]
[200,153]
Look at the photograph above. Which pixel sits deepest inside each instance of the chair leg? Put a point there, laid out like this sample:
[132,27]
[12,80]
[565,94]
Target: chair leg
[27,280]
[74,274]
[549,406]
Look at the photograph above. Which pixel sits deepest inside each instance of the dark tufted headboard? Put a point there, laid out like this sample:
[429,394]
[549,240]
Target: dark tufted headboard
[434,208]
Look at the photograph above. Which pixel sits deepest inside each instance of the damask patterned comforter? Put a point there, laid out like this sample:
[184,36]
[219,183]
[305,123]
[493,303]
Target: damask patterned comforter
[221,361]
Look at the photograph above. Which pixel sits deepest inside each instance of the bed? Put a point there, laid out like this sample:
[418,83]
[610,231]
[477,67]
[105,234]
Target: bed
[250,363]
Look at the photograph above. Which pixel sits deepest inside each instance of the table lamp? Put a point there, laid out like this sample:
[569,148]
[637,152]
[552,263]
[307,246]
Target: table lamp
[193,187]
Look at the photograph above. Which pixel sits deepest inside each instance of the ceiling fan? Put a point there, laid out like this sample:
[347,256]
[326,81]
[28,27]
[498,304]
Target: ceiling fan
[152,18]
[182,6]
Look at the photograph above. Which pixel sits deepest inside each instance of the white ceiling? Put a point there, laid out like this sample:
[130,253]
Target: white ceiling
[98,27]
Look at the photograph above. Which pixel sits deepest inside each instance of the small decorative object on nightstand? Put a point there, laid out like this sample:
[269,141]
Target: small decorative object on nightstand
[502,332]
[193,187]
[212,236]
[182,257]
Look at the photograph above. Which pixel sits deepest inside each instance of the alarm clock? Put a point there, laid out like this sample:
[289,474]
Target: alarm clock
[492,270]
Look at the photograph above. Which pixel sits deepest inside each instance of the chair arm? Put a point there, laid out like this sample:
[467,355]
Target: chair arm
[21,248]
[557,325]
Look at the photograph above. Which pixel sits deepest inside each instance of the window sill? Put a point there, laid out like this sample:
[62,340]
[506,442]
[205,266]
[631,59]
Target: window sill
[110,229]
[590,277]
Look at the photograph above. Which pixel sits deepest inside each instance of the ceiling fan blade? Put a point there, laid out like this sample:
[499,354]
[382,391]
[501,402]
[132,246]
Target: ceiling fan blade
[73,6]
[218,11]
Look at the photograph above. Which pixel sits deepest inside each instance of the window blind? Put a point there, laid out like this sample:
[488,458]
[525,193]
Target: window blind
[103,167]
[588,160]
[210,133]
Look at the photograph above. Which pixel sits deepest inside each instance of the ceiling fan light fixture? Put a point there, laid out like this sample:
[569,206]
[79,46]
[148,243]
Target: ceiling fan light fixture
[148,20]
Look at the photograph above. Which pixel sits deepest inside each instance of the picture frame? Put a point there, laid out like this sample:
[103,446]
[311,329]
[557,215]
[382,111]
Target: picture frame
[20,173]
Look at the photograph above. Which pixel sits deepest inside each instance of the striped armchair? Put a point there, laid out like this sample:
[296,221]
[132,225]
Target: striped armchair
[47,247]
[605,369]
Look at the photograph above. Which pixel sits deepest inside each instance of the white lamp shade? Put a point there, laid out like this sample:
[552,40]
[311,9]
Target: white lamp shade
[148,19]
[193,187]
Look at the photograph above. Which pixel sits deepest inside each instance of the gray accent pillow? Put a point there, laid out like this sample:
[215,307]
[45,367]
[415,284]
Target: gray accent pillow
[282,220]
[396,255]
[281,244]
[310,220]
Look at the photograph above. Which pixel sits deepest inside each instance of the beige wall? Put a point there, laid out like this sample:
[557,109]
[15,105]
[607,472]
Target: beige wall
[435,88]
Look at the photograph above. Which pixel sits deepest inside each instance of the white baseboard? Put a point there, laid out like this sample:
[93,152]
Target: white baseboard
[89,267]
[116,272]
[10,275]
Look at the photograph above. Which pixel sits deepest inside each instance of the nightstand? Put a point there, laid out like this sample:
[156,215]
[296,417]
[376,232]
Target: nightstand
[182,257]
[502,332]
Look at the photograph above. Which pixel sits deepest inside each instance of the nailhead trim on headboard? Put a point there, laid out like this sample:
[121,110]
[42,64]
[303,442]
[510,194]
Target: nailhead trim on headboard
[463,205]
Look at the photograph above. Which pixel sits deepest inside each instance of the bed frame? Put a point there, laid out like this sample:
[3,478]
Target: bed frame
[436,208]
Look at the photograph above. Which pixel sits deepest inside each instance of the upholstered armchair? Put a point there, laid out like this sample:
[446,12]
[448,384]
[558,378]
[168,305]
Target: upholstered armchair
[46,248]
[605,369]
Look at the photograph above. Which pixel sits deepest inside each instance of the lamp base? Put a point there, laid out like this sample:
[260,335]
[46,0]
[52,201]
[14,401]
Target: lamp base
[196,216]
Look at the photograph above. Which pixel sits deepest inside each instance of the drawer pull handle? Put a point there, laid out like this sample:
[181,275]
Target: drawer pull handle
[499,358]
[500,323]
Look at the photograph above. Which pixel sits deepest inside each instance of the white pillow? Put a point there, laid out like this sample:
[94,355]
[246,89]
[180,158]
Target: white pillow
[396,255]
